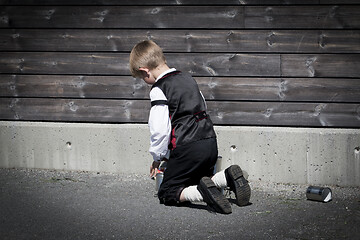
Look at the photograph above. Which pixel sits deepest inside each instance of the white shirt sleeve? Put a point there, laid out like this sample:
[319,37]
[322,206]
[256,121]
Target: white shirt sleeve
[160,126]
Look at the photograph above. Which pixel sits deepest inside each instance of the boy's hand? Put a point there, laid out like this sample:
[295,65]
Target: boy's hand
[153,168]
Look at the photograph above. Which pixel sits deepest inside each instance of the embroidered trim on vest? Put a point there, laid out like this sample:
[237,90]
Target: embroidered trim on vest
[169,74]
[166,75]
[172,144]
[200,116]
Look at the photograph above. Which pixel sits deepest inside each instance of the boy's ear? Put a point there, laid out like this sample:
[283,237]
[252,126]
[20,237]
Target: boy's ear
[145,69]
[146,72]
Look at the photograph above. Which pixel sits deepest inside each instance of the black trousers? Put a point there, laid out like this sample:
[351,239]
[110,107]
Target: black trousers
[186,166]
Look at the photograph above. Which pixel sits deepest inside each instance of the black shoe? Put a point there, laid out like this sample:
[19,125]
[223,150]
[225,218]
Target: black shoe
[238,184]
[213,197]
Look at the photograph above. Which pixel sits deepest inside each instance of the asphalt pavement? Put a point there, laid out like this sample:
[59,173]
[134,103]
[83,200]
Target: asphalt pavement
[47,204]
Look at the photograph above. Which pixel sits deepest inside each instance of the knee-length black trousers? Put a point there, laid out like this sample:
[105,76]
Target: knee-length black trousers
[186,166]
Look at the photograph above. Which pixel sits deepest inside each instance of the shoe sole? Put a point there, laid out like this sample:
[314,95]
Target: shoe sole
[242,188]
[213,197]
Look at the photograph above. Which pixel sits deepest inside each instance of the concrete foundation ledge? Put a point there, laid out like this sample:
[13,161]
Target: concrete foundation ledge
[318,156]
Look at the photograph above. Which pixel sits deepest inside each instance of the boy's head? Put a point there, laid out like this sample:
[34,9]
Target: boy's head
[145,54]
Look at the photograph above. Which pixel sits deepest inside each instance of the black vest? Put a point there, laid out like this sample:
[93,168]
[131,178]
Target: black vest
[189,120]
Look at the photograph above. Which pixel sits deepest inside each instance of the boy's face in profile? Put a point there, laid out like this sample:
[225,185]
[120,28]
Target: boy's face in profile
[147,76]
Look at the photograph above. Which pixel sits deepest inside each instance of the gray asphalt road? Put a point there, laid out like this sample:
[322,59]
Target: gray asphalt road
[41,204]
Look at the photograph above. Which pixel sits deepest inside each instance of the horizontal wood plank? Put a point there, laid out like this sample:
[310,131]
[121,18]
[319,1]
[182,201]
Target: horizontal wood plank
[339,1]
[117,40]
[61,86]
[77,110]
[285,114]
[223,113]
[322,65]
[213,88]
[117,63]
[280,89]
[318,17]
[204,64]
[225,17]
[121,17]
[173,2]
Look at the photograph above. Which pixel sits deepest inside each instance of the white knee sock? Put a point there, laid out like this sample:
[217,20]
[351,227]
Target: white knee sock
[192,194]
[219,179]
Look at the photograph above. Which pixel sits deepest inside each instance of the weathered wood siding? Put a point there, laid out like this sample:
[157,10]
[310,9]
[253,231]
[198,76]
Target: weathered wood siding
[265,63]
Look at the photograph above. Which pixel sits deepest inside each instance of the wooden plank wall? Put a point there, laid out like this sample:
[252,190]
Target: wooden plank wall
[264,63]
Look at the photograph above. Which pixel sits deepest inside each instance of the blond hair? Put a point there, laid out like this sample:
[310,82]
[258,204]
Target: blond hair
[145,54]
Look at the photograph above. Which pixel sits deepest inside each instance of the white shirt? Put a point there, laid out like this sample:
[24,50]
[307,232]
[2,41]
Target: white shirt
[159,124]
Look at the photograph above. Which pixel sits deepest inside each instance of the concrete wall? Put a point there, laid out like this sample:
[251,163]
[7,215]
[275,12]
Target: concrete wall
[283,155]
